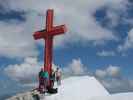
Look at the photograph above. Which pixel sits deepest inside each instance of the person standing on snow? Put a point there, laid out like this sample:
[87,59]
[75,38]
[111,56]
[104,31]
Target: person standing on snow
[52,78]
[41,80]
[46,79]
[58,76]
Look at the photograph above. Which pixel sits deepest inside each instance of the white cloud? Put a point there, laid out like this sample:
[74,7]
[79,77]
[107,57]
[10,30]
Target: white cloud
[113,80]
[106,53]
[128,42]
[16,39]
[117,85]
[78,16]
[24,72]
[100,73]
[111,71]
[76,67]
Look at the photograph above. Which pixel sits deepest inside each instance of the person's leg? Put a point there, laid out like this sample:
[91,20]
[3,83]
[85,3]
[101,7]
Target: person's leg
[45,84]
[52,83]
[57,79]
[41,83]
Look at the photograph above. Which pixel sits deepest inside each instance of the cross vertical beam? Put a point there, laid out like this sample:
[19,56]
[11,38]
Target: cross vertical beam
[49,20]
[48,54]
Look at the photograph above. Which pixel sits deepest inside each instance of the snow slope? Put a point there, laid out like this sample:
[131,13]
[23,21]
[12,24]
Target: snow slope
[78,88]
[120,96]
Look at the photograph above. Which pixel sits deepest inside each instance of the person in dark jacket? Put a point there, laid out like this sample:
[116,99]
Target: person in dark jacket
[46,80]
[52,78]
[41,80]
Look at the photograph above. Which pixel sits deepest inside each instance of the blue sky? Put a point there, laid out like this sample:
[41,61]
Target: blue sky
[99,37]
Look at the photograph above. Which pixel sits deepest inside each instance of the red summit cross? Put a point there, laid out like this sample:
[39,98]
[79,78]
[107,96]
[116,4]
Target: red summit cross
[48,35]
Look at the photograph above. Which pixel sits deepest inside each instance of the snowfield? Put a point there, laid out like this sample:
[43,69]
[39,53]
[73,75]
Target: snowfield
[78,88]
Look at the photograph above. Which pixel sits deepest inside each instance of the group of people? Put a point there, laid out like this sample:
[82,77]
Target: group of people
[45,78]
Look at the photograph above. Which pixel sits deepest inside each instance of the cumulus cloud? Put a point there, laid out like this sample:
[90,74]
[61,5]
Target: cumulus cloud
[128,42]
[115,14]
[111,71]
[113,80]
[76,67]
[116,85]
[100,73]
[106,53]
[24,72]
[16,39]
[78,17]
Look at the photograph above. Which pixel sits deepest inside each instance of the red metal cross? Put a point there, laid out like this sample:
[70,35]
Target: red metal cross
[48,34]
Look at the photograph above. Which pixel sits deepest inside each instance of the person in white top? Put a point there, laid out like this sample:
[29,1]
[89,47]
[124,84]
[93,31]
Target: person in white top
[58,76]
